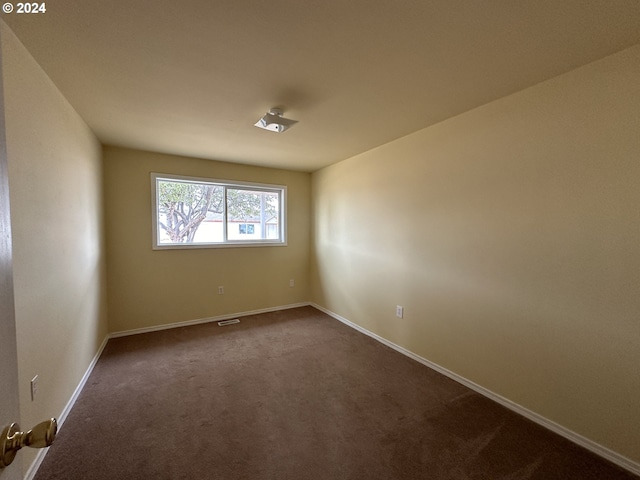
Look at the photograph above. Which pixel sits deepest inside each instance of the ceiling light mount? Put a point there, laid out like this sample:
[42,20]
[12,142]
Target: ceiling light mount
[274,121]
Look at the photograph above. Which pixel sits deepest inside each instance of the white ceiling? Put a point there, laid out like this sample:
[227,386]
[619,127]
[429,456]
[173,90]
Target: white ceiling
[191,77]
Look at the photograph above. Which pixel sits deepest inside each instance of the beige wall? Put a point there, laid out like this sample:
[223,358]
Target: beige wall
[154,287]
[511,235]
[55,180]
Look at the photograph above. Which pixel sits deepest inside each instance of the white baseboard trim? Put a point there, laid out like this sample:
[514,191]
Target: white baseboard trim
[33,469]
[570,435]
[186,323]
[574,437]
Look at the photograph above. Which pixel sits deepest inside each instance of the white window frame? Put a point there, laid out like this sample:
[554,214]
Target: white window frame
[281,190]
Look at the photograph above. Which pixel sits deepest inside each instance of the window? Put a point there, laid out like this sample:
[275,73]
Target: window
[247,228]
[193,212]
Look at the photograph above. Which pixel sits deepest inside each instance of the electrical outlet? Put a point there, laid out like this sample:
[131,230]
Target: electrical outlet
[292,283]
[399,311]
[34,387]
[220,290]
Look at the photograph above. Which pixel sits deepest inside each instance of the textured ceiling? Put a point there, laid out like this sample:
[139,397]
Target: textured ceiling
[191,77]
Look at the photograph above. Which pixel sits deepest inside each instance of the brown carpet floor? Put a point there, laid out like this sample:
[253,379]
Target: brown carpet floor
[293,395]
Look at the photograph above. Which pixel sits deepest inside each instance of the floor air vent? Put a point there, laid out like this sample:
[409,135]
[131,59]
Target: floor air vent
[228,322]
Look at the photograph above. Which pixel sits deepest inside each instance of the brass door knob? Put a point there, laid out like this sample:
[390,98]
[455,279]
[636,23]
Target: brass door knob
[12,439]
